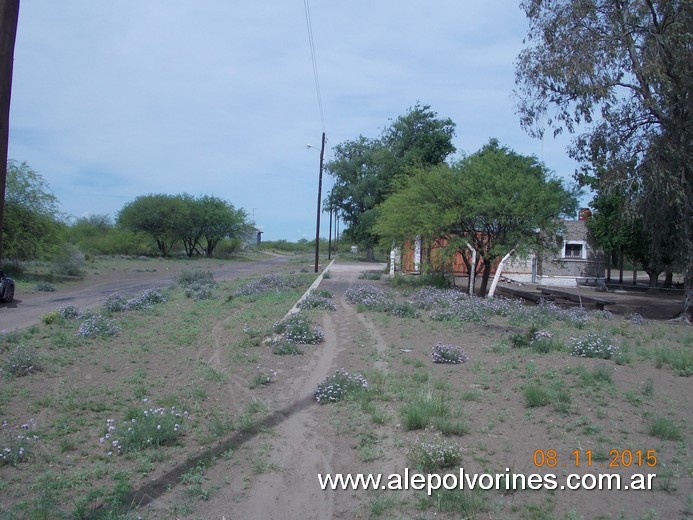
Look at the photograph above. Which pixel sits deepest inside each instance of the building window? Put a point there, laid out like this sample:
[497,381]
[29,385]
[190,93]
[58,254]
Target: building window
[574,250]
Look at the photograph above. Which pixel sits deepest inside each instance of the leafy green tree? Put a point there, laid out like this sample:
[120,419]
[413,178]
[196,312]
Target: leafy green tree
[619,73]
[160,216]
[33,224]
[97,235]
[220,220]
[643,239]
[495,200]
[359,186]
[365,169]
[210,220]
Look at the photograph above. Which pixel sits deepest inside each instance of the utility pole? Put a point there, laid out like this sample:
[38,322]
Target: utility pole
[329,239]
[317,225]
[9,14]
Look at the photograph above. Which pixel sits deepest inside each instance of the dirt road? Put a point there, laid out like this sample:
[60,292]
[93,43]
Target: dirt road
[28,308]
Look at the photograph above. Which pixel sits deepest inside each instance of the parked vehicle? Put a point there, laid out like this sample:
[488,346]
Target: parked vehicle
[6,288]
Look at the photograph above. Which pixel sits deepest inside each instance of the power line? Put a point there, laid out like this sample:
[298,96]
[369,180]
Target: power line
[315,62]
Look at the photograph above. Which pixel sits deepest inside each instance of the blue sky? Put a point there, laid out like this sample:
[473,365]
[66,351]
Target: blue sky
[112,100]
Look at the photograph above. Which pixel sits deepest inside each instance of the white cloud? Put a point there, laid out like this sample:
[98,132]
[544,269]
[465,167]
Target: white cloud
[114,100]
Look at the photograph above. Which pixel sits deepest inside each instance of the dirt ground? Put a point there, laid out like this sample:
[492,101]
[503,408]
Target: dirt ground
[129,276]
[271,473]
[306,440]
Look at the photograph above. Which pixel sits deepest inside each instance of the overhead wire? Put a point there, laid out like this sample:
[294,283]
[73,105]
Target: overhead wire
[315,62]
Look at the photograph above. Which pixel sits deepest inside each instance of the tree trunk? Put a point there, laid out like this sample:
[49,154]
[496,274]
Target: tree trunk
[499,271]
[9,14]
[668,278]
[370,255]
[485,277]
[654,278]
[472,271]
[688,301]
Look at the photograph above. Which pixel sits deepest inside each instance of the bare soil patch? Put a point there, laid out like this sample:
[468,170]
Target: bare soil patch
[254,449]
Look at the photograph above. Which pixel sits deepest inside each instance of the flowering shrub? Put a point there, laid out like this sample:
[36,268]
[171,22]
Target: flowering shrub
[69,312]
[115,303]
[432,455]
[636,319]
[404,310]
[98,326]
[43,286]
[199,292]
[602,314]
[143,429]
[575,316]
[194,276]
[280,346]
[338,385]
[375,299]
[268,283]
[14,446]
[452,354]
[144,300]
[315,301]
[197,284]
[297,329]
[593,345]
[432,298]
[21,361]
[369,296]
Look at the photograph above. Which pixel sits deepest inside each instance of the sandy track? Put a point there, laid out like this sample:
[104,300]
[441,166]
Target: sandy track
[298,450]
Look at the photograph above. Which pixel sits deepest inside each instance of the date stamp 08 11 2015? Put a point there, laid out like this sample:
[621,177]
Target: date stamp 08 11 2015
[584,458]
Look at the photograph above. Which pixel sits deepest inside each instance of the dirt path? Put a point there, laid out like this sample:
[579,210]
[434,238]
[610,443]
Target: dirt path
[28,308]
[296,451]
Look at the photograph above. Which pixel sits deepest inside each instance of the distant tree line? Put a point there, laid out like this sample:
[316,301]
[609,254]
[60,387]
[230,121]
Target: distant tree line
[35,229]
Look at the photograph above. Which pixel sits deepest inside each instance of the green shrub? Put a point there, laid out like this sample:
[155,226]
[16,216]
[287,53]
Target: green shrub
[666,429]
[50,317]
[536,396]
[420,412]
[43,286]
[21,361]
[282,347]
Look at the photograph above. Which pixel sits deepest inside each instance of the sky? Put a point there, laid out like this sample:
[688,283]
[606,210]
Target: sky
[114,100]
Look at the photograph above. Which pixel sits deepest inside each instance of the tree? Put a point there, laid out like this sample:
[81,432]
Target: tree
[161,216]
[494,200]
[620,73]
[365,169]
[9,15]
[645,239]
[32,223]
[221,220]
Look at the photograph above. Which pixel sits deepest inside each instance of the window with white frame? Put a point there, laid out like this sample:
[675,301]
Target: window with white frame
[574,249]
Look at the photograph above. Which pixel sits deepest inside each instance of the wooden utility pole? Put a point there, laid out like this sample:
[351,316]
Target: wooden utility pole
[317,225]
[9,15]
